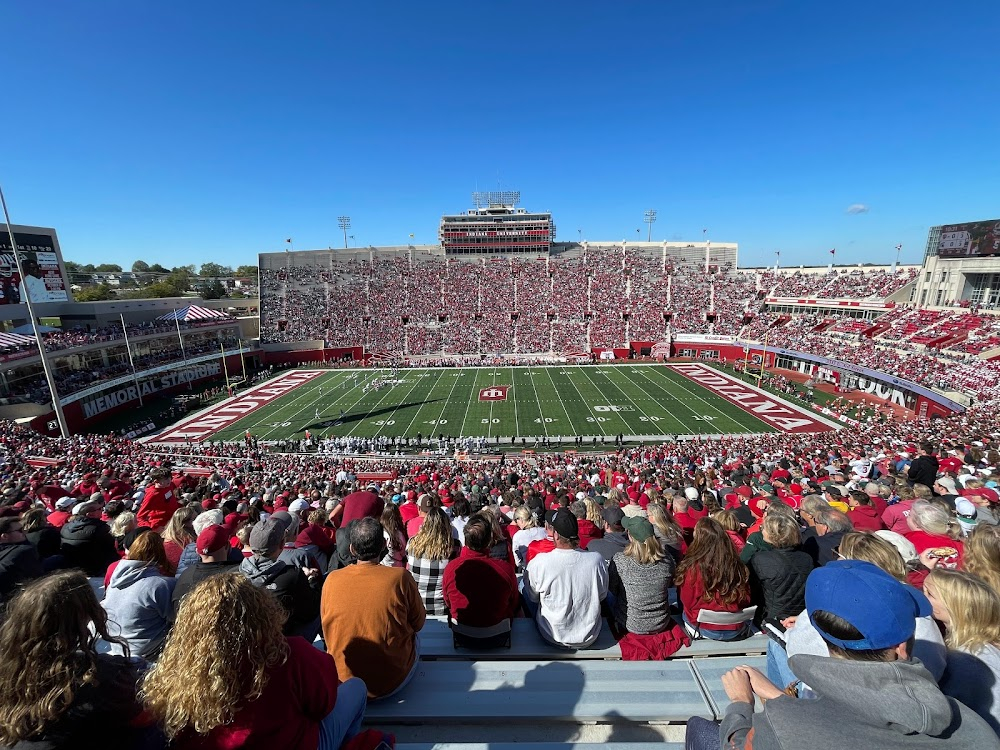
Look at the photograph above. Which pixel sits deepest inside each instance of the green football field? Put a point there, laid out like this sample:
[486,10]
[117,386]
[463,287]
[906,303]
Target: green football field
[636,400]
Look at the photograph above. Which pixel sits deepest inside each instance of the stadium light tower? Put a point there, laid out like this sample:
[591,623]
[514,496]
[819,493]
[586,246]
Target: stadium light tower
[344,222]
[649,217]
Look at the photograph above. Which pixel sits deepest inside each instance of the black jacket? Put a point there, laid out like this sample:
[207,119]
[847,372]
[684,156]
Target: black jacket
[923,470]
[87,544]
[46,540]
[99,715]
[289,584]
[195,574]
[820,548]
[778,582]
[19,564]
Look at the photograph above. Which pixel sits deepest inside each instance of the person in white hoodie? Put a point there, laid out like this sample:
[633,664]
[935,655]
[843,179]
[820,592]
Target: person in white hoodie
[138,597]
[564,587]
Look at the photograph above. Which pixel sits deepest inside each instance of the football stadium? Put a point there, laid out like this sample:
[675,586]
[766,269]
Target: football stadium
[472,480]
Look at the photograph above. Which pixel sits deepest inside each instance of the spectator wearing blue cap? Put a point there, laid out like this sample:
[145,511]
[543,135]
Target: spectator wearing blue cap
[870,693]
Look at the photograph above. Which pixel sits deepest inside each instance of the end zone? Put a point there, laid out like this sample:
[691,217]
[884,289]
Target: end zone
[209,421]
[776,412]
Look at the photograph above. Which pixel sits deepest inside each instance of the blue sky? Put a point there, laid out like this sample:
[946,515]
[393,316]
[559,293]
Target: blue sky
[184,132]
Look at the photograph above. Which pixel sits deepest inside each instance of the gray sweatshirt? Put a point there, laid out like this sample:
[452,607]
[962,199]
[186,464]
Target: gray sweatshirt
[974,679]
[138,606]
[865,705]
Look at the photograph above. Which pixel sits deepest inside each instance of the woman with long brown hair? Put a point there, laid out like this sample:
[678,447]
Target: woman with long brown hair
[982,554]
[712,577]
[394,531]
[56,690]
[179,533]
[228,678]
[427,556]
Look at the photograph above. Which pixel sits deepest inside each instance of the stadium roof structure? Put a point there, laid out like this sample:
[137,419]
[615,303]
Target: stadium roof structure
[193,312]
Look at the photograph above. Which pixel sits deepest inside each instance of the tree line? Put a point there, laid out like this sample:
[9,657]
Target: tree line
[155,280]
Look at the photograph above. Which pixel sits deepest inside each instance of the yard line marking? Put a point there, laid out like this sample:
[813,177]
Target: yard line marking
[441,371]
[605,395]
[731,418]
[582,401]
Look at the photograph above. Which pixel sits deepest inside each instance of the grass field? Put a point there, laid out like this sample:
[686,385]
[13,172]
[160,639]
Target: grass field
[540,401]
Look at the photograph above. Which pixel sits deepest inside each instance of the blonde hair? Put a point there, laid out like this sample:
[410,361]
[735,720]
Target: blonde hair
[615,498]
[645,553]
[934,519]
[780,531]
[663,521]
[974,608]
[123,523]
[434,540]
[179,529]
[982,554]
[593,512]
[727,519]
[523,513]
[860,545]
[226,640]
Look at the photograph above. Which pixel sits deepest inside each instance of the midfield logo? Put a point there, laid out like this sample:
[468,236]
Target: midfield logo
[494,393]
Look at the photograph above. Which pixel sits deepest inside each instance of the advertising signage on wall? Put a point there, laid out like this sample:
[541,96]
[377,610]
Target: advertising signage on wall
[974,239]
[43,279]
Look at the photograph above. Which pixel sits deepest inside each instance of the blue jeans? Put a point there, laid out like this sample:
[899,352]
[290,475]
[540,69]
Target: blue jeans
[719,635]
[701,734]
[778,670]
[344,721]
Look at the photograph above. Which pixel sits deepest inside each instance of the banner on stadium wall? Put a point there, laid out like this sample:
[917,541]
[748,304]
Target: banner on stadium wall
[608,354]
[866,372]
[43,277]
[708,338]
[164,370]
[146,387]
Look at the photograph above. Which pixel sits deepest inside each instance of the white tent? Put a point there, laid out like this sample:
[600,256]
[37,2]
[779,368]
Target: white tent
[193,312]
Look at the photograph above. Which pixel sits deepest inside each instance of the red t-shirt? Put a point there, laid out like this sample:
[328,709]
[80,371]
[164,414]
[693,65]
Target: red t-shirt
[361,504]
[297,697]
[538,547]
[692,595]
[413,526]
[408,511]
[158,506]
[924,541]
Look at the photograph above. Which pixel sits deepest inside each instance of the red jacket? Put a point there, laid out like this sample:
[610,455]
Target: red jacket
[537,547]
[297,697]
[58,518]
[692,595]
[158,506]
[479,591]
[866,518]
[738,540]
[588,532]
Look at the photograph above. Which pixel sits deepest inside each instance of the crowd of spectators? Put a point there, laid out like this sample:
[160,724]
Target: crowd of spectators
[201,559]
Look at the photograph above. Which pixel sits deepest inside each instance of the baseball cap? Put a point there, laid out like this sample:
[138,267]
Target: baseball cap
[299,505]
[638,528]
[613,516]
[565,524]
[212,539]
[425,502]
[65,502]
[266,535]
[903,545]
[881,608]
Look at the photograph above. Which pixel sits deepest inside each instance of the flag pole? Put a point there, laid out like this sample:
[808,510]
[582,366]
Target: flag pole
[128,348]
[243,362]
[225,368]
[50,377]
[180,340]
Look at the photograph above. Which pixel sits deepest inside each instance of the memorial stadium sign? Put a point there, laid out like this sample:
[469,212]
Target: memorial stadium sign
[124,394]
